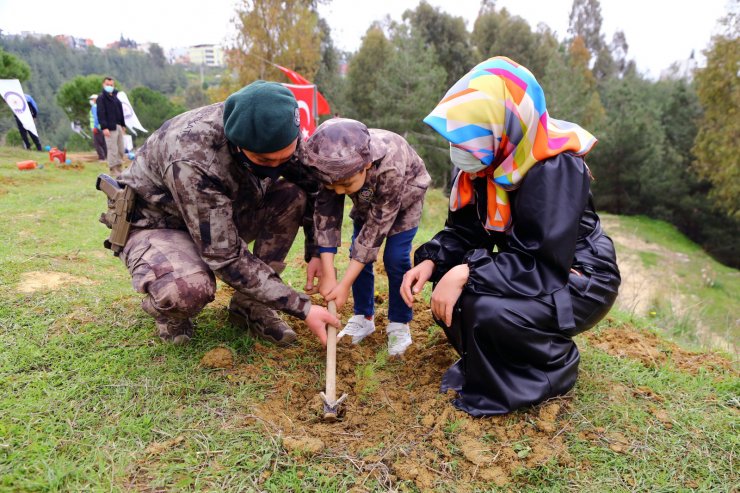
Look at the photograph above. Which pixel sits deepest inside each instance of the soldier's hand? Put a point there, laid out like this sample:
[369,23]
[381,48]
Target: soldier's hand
[313,272]
[317,318]
[106,132]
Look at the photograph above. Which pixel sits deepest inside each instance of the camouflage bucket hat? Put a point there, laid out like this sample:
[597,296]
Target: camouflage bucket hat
[338,149]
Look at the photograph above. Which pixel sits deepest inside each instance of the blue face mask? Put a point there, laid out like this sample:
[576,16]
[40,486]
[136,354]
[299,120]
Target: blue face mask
[108,89]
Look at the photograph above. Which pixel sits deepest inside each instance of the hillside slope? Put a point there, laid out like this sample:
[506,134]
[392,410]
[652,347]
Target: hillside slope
[674,284]
[90,400]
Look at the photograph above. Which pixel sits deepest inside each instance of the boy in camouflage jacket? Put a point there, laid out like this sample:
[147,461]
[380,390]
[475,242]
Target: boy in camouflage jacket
[386,181]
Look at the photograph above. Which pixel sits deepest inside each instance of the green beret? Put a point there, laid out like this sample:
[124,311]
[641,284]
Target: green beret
[262,117]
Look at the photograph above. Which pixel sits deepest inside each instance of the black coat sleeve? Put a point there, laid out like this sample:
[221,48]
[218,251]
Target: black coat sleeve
[449,247]
[103,115]
[546,212]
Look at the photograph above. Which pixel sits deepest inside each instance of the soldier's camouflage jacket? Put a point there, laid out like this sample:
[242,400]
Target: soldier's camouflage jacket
[389,202]
[186,178]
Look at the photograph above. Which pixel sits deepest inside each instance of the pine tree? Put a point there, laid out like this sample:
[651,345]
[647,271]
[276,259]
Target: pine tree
[717,147]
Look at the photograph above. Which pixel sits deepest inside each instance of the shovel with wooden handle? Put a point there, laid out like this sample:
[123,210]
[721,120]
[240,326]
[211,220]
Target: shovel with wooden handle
[331,403]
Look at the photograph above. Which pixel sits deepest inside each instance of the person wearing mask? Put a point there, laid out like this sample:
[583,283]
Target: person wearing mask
[207,183]
[522,264]
[110,118]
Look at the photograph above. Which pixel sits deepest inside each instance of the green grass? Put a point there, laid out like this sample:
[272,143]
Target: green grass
[659,232]
[86,388]
[704,292]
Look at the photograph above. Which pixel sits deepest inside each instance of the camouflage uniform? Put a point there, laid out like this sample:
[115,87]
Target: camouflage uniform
[390,202]
[197,208]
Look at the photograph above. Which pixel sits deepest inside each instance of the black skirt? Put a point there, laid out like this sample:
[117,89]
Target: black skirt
[516,352]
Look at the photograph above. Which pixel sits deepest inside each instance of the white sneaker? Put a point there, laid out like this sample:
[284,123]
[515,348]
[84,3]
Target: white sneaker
[399,338]
[358,327]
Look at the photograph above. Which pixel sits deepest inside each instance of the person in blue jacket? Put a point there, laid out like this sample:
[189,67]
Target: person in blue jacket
[24,133]
[97,132]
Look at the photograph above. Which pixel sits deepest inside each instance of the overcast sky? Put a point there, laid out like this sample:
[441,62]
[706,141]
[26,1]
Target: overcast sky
[658,32]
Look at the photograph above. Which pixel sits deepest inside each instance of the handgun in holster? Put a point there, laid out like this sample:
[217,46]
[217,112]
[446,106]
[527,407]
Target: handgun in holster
[121,201]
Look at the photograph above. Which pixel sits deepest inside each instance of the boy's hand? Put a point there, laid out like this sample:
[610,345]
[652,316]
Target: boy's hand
[317,318]
[338,295]
[414,280]
[328,282]
[313,272]
[328,274]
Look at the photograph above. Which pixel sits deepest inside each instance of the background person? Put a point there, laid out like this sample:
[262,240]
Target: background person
[97,133]
[110,118]
[33,107]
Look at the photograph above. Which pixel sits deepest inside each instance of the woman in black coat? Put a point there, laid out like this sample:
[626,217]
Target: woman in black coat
[522,264]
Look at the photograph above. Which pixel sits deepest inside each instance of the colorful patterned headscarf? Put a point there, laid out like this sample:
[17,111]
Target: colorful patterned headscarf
[497,113]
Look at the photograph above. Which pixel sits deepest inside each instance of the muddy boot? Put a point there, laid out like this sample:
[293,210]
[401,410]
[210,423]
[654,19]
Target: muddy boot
[177,331]
[172,331]
[261,321]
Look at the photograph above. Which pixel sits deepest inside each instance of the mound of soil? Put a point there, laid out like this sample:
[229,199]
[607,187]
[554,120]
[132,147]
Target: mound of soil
[397,425]
[217,358]
[653,351]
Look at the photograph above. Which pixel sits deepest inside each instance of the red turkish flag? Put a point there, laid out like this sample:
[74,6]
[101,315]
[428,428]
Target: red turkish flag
[295,77]
[306,97]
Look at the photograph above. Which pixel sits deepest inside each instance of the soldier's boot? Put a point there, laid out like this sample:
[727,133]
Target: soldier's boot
[177,331]
[260,320]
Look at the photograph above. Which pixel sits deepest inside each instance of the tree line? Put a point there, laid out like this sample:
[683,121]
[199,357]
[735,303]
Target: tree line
[667,149]
[61,80]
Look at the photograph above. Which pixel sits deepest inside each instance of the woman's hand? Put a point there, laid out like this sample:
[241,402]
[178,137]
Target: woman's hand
[339,294]
[313,272]
[414,280]
[448,291]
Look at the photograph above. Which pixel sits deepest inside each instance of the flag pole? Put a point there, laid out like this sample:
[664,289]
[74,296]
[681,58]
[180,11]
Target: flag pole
[316,104]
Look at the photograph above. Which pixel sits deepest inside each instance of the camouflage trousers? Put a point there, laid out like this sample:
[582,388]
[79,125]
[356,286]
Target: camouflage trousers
[166,266]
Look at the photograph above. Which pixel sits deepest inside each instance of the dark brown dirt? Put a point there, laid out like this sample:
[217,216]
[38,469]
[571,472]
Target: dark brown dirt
[397,425]
[399,428]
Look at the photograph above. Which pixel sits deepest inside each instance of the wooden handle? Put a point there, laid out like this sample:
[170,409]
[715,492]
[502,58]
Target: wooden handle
[331,357]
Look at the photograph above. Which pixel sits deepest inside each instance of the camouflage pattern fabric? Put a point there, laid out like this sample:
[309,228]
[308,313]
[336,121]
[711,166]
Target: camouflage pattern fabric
[390,202]
[198,207]
[339,149]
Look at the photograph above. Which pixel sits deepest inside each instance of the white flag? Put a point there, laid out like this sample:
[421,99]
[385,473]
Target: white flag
[13,95]
[129,116]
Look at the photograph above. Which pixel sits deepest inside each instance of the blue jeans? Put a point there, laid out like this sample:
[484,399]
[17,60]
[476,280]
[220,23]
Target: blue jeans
[397,260]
